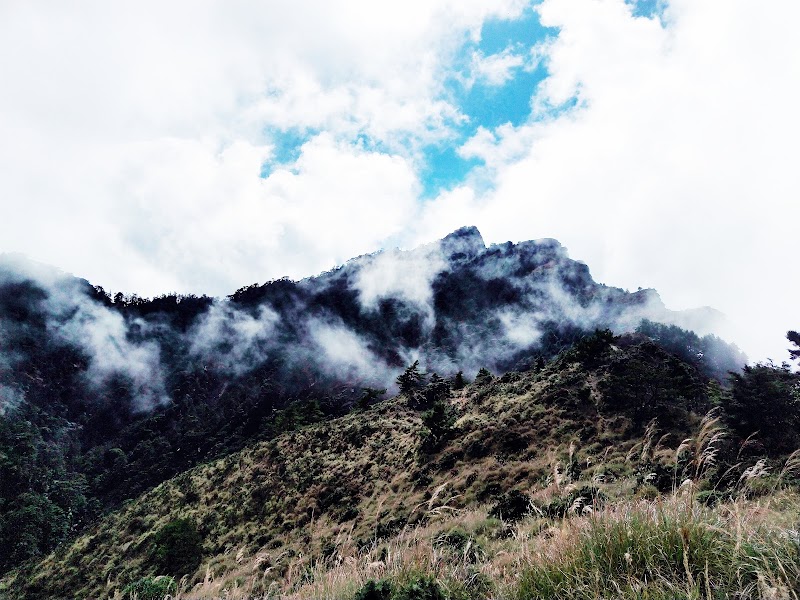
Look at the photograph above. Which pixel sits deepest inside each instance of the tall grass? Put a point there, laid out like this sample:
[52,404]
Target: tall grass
[670,549]
[672,546]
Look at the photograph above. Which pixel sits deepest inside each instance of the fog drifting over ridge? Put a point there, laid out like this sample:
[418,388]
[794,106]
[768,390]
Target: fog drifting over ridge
[657,141]
[455,305]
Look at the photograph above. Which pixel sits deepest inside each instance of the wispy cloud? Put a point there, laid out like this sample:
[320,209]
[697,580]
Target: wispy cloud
[139,141]
[494,69]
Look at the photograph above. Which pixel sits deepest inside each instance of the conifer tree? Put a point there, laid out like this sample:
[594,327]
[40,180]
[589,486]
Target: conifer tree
[411,380]
[794,338]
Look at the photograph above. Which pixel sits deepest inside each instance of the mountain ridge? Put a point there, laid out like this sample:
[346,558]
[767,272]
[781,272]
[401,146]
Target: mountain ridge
[439,489]
[114,395]
[365,472]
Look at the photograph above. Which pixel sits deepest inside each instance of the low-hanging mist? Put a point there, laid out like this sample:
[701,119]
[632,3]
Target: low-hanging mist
[455,305]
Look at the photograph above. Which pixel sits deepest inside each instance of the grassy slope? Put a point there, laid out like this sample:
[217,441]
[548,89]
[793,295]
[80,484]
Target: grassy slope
[320,510]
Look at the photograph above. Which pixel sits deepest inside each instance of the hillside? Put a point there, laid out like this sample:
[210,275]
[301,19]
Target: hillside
[436,484]
[103,397]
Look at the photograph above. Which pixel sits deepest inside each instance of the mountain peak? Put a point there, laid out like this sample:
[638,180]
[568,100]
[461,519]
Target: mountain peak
[463,243]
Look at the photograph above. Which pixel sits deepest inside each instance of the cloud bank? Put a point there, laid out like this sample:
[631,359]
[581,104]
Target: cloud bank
[201,147]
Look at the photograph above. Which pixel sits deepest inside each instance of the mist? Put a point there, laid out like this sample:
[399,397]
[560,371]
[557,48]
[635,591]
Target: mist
[72,317]
[454,305]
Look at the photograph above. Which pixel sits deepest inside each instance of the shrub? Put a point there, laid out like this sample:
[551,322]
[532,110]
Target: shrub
[419,587]
[150,588]
[590,349]
[178,550]
[483,377]
[370,396]
[438,421]
[422,587]
[647,492]
[375,590]
[765,398]
[512,506]
[711,497]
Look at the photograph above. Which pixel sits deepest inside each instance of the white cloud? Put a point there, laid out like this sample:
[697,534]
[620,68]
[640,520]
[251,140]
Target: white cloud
[521,329]
[10,399]
[345,354]
[501,146]
[404,275]
[133,134]
[103,335]
[678,170]
[234,339]
[494,69]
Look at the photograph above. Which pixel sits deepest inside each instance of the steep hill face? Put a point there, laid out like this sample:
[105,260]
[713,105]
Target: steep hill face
[102,398]
[576,426]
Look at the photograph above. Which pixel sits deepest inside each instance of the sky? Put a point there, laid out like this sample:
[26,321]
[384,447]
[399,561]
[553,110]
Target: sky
[199,146]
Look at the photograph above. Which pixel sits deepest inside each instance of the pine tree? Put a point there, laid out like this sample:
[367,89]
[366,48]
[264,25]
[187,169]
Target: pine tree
[369,397]
[411,380]
[794,338]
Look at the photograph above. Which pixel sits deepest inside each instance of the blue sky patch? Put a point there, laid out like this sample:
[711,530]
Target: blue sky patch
[527,30]
[287,144]
[444,169]
[646,8]
[491,106]
[484,104]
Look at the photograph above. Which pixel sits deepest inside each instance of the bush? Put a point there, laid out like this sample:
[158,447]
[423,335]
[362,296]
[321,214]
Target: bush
[590,349]
[375,590]
[150,588]
[711,497]
[438,421]
[512,506]
[421,587]
[483,377]
[765,398]
[178,548]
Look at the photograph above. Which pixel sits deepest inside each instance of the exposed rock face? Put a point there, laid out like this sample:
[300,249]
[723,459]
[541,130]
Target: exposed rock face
[463,244]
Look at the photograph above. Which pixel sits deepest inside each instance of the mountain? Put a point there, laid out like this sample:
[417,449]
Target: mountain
[102,398]
[593,474]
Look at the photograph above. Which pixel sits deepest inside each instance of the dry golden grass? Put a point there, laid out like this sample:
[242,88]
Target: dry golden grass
[319,511]
[754,538]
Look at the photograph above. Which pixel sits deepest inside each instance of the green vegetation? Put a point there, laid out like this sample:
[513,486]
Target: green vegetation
[177,548]
[411,380]
[418,588]
[765,399]
[672,549]
[614,470]
[81,435]
[794,338]
[150,588]
[512,506]
[370,396]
